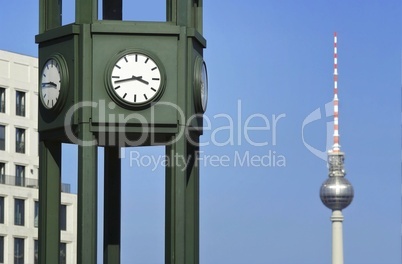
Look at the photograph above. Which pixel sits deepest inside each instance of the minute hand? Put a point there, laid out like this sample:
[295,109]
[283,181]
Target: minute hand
[133,78]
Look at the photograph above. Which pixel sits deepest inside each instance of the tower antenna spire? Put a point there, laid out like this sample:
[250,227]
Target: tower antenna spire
[336,147]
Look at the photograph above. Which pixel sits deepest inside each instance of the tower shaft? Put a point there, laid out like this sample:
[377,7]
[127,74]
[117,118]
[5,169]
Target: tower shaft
[337,237]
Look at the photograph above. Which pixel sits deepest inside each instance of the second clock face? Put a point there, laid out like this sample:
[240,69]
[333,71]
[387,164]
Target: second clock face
[50,83]
[204,87]
[54,83]
[200,85]
[136,79]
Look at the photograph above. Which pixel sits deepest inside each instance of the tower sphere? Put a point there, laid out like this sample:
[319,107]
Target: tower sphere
[336,193]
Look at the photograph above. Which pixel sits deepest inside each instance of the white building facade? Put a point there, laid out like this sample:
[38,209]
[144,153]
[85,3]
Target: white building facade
[19,163]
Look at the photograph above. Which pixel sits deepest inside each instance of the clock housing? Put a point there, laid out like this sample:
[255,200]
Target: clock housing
[173,47]
[61,46]
[158,42]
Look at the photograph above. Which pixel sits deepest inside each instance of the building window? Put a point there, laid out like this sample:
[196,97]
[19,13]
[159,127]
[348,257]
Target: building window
[1,249]
[20,140]
[63,253]
[20,104]
[18,251]
[1,210]
[36,217]
[2,172]
[36,252]
[63,217]
[2,137]
[19,210]
[2,100]
[19,175]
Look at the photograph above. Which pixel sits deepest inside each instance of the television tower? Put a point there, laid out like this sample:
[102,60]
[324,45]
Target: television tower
[336,192]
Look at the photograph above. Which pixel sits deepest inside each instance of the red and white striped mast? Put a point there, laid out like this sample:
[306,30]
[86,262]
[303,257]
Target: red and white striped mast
[336,147]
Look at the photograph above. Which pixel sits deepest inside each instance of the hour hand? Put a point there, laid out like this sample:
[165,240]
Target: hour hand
[49,84]
[141,80]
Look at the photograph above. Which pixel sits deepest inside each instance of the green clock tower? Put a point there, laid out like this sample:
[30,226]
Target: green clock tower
[113,83]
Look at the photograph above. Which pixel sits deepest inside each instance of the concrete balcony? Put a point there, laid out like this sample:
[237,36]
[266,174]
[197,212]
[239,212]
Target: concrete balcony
[28,182]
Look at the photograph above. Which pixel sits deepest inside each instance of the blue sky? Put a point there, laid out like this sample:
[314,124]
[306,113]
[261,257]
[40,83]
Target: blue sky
[272,60]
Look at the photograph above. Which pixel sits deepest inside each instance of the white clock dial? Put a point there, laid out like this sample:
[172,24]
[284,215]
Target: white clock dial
[200,85]
[204,87]
[136,79]
[50,84]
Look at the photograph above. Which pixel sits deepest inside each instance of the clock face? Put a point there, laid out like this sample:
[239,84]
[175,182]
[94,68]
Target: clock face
[51,82]
[136,79]
[200,85]
[204,87]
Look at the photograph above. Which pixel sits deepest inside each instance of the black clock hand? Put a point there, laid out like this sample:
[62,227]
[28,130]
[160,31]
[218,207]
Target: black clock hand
[125,80]
[133,78]
[142,80]
[49,83]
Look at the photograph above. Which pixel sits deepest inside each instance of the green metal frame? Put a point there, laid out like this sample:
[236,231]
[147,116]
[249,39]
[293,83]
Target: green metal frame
[85,45]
